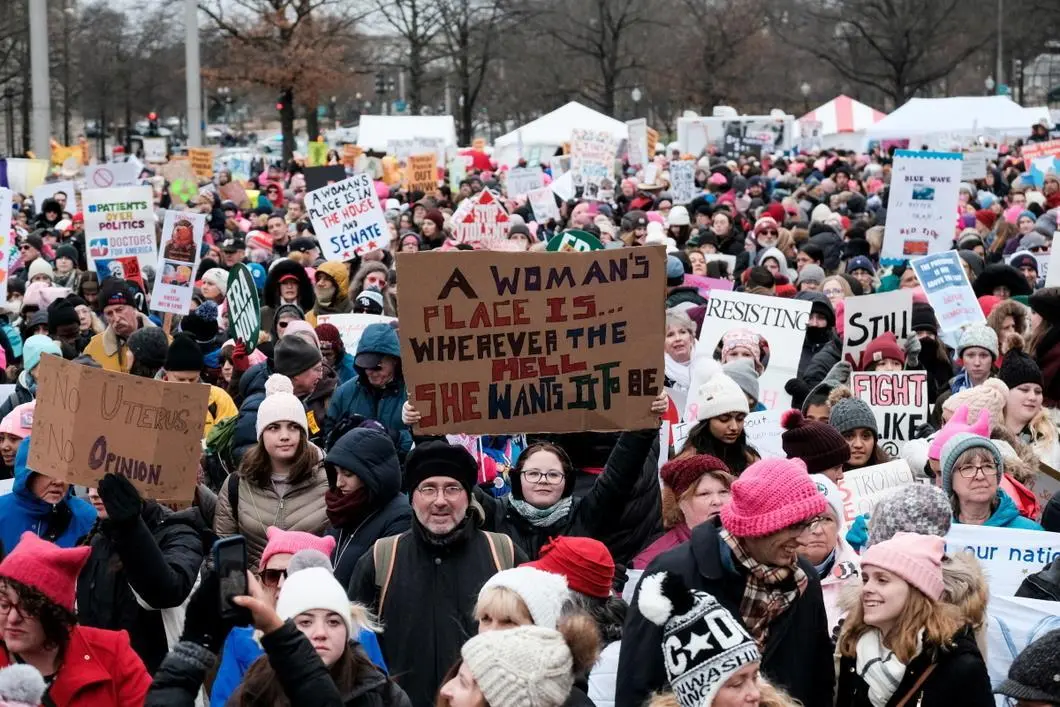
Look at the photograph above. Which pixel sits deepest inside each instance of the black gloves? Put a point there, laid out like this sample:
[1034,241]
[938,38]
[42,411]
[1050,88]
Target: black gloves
[120,498]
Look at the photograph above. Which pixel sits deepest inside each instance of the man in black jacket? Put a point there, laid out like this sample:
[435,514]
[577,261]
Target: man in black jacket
[425,586]
[748,563]
[144,562]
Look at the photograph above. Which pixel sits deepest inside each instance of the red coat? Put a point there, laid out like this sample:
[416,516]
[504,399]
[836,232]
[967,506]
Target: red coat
[99,669]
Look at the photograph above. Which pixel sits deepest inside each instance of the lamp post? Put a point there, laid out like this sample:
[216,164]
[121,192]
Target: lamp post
[636,95]
[225,92]
[804,89]
[989,84]
[9,118]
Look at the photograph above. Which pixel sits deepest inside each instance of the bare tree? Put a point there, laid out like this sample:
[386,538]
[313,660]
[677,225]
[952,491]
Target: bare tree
[417,24]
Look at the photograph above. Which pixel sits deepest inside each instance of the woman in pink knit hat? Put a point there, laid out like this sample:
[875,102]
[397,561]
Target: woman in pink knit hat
[900,644]
[15,427]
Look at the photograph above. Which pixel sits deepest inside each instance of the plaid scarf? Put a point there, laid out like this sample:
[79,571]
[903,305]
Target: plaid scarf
[769,590]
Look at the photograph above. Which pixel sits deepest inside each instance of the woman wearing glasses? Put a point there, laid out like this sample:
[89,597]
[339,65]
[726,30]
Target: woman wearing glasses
[971,474]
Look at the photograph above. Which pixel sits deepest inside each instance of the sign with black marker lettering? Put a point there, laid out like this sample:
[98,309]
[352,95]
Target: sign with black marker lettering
[899,400]
[868,316]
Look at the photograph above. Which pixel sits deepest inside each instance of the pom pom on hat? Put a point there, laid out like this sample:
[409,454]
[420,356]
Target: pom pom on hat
[278,384]
[280,405]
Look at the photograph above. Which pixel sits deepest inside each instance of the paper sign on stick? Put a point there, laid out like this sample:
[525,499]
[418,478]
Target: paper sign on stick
[201,159]
[182,233]
[112,174]
[868,316]
[948,291]
[683,180]
[863,488]
[89,422]
[63,192]
[347,218]
[922,209]
[480,219]
[638,142]
[155,149]
[899,400]
[593,162]
[543,204]
[501,343]
[522,180]
[352,325]
[119,228]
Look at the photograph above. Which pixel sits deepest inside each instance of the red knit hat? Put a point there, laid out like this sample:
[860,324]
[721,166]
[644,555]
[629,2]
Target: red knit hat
[293,541]
[883,346]
[329,333]
[986,217]
[586,563]
[769,496]
[681,474]
[46,567]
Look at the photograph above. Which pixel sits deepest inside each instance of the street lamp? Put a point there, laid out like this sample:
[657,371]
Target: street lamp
[636,95]
[804,89]
[989,84]
[224,92]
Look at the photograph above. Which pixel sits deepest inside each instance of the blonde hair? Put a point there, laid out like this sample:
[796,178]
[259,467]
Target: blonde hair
[938,620]
[502,603]
[769,696]
[843,284]
[671,503]
[677,318]
[785,242]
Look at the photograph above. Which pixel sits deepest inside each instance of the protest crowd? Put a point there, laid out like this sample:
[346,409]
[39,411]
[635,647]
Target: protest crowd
[696,430]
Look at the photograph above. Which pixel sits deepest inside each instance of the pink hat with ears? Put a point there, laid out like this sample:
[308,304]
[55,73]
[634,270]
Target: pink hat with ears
[1012,213]
[957,424]
[655,216]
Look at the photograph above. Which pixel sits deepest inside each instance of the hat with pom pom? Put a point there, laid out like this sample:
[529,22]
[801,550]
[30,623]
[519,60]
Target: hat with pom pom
[819,445]
[280,405]
[1018,368]
[703,644]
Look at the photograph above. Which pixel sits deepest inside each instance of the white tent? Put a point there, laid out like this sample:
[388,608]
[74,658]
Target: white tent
[962,115]
[843,122]
[377,130]
[552,130]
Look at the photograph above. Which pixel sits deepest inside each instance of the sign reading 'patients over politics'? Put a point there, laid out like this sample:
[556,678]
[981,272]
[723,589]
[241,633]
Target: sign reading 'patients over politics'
[503,343]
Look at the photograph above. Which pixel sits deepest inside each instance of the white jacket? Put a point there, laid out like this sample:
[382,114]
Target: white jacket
[845,570]
[604,675]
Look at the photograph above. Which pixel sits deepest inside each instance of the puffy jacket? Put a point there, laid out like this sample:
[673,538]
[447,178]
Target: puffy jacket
[345,369]
[340,304]
[20,395]
[109,351]
[64,524]
[100,669]
[1006,515]
[1044,585]
[252,393]
[821,363]
[218,407]
[592,515]
[371,457]
[156,558]
[604,676]
[359,397]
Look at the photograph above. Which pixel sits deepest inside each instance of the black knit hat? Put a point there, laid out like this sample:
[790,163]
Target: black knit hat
[202,323]
[115,291]
[148,346]
[1046,302]
[61,312]
[34,239]
[924,318]
[1034,675]
[1018,368]
[819,445]
[66,251]
[294,355]
[184,355]
[437,458]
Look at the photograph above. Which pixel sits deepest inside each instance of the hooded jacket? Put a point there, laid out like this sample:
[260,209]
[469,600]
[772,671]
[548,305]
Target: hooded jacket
[252,393]
[20,395]
[340,303]
[372,459]
[307,298]
[359,397]
[1006,515]
[64,524]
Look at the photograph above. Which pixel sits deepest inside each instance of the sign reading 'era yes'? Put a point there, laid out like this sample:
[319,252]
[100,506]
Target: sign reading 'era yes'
[89,422]
[499,343]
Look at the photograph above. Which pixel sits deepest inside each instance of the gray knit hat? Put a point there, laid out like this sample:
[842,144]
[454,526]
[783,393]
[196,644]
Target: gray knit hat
[295,354]
[978,335]
[849,414]
[743,372]
[811,273]
[958,445]
[521,667]
[914,508]
[1035,675]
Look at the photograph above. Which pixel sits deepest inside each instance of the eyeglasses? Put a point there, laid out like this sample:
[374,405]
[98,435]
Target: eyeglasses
[970,471]
[536,476]
[25,246]
[271,578]
[451,491]
[6,607]
[769,232]
[807,525]
[833,292]
[1040,249]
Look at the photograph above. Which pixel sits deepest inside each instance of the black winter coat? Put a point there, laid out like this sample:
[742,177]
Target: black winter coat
[1044,585]
[158,557]
[19,395]
[430,602]
[829,355]
[798,652]
[594,515]
[959,678]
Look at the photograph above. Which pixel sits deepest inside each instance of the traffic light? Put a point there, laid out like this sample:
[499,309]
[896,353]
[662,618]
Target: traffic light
[152,124]
[279,104]
[380,83]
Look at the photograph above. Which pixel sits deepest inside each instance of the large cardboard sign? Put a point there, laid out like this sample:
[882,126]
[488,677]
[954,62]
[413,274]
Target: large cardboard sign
[1008,555]
[119,230]
[922,208]
[781,324]
[899,400]
[949,292]
[421,173]
[863,488]
[352,325]
[347,218]
[868,316]
[201,159]
[178,261]
[89,422]
[503,343]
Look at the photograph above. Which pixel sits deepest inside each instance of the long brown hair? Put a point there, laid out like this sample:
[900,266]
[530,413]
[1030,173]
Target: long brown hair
[256,466]
[939,620]
[260,685]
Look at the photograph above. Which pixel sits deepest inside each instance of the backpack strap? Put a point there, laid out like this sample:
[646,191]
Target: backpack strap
[502,549]
[233,498]
[384,556]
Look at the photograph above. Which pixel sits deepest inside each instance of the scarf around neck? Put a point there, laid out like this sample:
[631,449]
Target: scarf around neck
[679,373]
[543,517]
[769,591]
[879,667]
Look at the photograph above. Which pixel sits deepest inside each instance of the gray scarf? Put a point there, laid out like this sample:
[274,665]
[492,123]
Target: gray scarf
[543,517]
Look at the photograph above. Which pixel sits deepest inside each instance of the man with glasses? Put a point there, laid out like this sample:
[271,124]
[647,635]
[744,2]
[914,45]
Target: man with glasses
[30,249]
[110,348]
[748,560]
[423,584]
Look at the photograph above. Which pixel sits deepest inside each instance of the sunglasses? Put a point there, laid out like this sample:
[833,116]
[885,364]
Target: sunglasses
[1040,249]
[26,246]
[769,232]
[271,578]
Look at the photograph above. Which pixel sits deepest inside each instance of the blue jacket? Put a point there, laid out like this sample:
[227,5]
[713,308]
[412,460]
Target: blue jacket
[64,523]
[345,369]
[240,650]
[359,397]
[1007,516]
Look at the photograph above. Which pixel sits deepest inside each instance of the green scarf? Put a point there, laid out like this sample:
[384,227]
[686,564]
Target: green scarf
[543,517]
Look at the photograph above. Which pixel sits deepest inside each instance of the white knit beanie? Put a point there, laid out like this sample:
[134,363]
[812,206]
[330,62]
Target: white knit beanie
[529,666]
[718,396]
[314,588]
[279,405]
[218,277]
[40,266]
[543,593]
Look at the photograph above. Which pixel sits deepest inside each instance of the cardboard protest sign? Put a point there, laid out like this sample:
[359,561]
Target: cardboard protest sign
[351,326]
[89,422]
[317,154]
[763,431]
[183,184]
[5,239]
[316,177]
[112,174]
[63,192]
[653,141]
[201,159]
[347,218]
[155,149]
[683,180]
[899,400]
[638,142]
[421,173]
[543,204]
[780,324]
[178,261]
[502,343]
[480,219]
[948,291]
[1007,554]
[593,163]
[922,207]
[119,230]
[522,180]
[863,488]
[868,316]
[1036,150]
[244,311]
[574,240]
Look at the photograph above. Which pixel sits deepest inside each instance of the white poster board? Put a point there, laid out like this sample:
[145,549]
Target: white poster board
[112,174]
[1012,624]
[155,149]
[922,206]
[351,326]
[763,431]
[64,192]
[683,180]
[119,225]
[899,401]
[347,218]
[1008,555]
[593,163]
[522,180]
[1052,276]
[178,261]
[863,488]
[868,316]
[638,142]
[543,204]
[948,291]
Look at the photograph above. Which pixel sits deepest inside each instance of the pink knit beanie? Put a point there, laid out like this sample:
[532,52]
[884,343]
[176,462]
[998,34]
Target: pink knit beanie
[959,423]
[915,558]
[292,541]
[771,495]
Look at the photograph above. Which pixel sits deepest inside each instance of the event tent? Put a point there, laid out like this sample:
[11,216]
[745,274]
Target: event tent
[552,130]
[961,115]
[377,130]
[843,122]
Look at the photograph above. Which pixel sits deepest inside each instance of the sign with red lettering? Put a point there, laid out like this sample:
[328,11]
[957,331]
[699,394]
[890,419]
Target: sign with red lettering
[347,218]
[1034,150]
[480,219]
[504,343]
[899,400]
